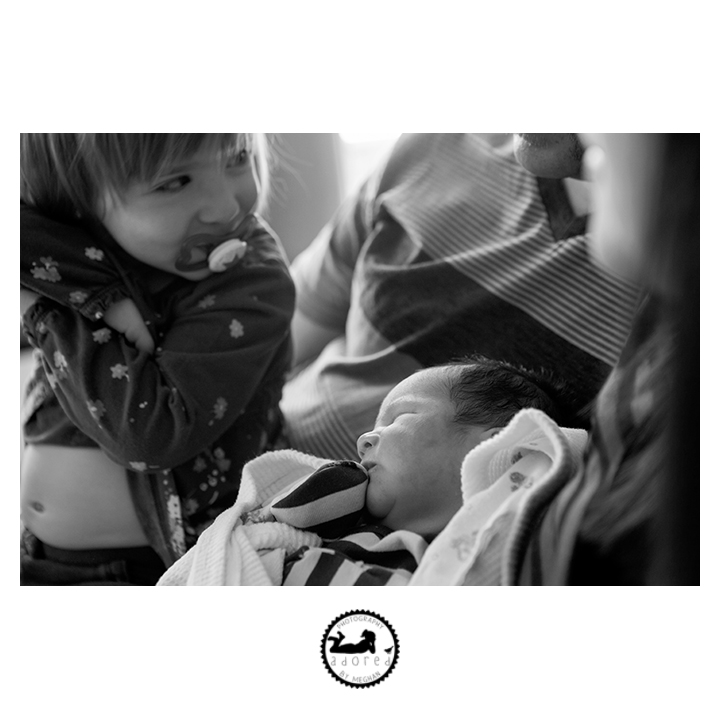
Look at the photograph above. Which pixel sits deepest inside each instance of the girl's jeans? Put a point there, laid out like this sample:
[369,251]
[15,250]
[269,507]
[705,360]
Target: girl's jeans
[42,564]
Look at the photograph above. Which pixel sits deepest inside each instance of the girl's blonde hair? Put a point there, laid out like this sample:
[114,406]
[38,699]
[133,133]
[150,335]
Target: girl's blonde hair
[64,174]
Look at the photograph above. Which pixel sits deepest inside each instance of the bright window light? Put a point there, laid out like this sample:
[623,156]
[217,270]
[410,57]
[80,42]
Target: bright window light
[361,154]
[369,137]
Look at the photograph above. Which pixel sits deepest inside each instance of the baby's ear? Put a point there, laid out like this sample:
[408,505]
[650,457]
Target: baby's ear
[328,502]
[490,432]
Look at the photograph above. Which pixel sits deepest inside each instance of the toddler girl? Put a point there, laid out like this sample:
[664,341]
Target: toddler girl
[159,307]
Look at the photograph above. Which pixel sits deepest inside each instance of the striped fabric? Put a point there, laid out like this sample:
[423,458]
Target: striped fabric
[451,249]
[525,264]
[371,555]
[270,534]
[328,502]
[321,566]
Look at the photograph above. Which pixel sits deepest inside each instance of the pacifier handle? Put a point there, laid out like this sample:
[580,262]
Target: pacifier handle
[197,250]
[227,254]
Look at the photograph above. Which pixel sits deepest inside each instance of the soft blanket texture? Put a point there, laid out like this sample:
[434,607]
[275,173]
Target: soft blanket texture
[244,546]
[296,522]
[506,482]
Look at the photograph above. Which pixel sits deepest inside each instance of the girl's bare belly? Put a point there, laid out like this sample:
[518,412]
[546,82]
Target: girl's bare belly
[77,498]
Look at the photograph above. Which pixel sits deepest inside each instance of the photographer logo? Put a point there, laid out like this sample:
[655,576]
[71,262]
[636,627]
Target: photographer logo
[360,648]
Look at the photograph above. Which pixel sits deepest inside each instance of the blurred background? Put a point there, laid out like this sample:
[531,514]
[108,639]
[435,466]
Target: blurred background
[314,174]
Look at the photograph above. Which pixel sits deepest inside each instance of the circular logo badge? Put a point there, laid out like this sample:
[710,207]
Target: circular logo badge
[360,648]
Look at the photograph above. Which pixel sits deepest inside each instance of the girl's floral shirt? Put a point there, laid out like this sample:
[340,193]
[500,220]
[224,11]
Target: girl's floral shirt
[190,414]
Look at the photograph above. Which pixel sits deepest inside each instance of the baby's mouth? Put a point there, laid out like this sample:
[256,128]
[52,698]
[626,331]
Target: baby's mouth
[205,251]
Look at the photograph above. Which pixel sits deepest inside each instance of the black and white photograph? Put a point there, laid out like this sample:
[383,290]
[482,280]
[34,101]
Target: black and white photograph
[382,367]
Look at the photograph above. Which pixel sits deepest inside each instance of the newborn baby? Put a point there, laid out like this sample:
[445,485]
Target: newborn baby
[303,520]
[408,477]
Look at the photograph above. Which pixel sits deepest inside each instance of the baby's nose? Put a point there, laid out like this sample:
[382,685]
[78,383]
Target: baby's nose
[365,442]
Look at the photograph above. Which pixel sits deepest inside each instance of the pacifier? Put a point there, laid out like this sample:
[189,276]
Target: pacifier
[202,251]
[227,254]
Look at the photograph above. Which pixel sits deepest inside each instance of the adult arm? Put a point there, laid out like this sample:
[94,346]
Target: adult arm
[309,338]
[323,274]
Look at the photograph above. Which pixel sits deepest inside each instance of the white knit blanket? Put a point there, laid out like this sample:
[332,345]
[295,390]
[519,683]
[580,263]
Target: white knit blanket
[505,481]
[232,553]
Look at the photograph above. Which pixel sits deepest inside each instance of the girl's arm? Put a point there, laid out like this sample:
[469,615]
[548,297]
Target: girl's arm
[70,265]
[157,411]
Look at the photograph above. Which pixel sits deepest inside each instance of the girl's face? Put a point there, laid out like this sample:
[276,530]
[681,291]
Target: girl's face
[413,457]
[174,223]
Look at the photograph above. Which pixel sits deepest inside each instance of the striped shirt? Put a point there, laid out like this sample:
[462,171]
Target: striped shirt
[451,248]
[368,555]
[271,535]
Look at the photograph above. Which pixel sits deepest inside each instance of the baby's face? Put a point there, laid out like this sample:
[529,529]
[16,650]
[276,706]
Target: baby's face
[413,457]
[174,223]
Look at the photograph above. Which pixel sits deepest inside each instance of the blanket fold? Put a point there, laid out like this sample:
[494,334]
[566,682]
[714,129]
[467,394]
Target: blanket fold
[231,552]
[296,521]
[507,481]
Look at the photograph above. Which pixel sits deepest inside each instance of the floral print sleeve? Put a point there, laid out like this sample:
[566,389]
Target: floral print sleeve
[215,341]
[68,264]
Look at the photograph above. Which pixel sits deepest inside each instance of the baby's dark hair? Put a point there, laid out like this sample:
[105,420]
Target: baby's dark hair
[490,392]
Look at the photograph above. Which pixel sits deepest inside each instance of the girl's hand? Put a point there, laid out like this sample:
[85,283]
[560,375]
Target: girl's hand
[124,317]
[27,299]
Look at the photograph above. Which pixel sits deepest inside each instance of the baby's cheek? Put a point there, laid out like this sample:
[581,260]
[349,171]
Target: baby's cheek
[377,500]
